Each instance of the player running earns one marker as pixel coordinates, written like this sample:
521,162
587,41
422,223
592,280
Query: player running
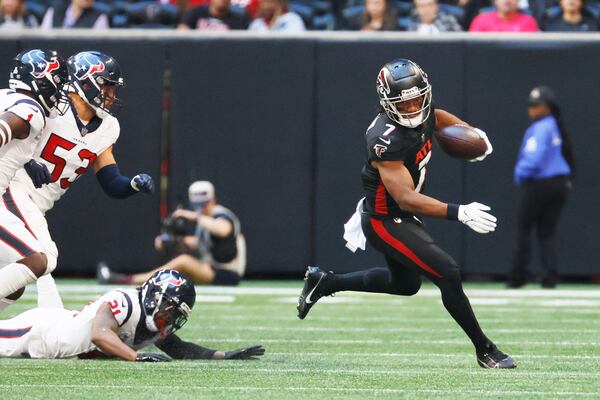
399,143
34,98
69,145
116,325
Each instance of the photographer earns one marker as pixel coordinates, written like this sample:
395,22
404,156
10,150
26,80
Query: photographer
206,242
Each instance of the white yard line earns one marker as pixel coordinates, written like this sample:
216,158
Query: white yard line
593,292
519,357
521,343
486,392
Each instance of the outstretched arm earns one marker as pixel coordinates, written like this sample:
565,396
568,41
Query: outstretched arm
116,185
181,350
104,335
444,119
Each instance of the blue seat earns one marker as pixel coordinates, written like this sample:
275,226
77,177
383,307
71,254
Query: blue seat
36,9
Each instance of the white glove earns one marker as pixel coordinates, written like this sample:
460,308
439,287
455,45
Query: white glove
487,142
474,215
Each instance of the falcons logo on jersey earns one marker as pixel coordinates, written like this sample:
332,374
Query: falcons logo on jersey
379,149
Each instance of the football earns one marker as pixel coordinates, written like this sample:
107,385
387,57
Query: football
461,141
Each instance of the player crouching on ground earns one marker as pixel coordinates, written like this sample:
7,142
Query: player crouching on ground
207,242
116,325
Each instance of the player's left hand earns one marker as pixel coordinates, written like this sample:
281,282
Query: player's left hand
143,183
38,173
489,150
246,353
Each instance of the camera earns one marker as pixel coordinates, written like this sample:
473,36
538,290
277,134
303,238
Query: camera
173,229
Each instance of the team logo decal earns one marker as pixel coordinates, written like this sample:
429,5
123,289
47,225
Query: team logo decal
40,66
379,149
86,69
171,280
382,82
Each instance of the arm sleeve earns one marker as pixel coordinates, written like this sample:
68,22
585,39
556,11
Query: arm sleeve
180,350
113,183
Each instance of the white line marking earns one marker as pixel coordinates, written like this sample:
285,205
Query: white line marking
429,292
520,343
431,355
490,393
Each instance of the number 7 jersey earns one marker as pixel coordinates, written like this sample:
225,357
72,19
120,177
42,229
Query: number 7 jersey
68,148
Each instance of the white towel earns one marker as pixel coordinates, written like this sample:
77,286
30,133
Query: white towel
353,234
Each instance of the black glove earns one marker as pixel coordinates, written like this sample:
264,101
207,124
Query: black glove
143,183
246,353
152,357
38,173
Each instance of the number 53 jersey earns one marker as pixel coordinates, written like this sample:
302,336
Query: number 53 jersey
68,148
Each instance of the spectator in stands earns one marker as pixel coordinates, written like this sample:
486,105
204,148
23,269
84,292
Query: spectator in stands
77,14
427,18
251,6
274,15
215,16
572,18
379,15
14,15
506,18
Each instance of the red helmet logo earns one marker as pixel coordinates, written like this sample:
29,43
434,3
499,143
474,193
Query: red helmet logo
382,82
93,70
52,66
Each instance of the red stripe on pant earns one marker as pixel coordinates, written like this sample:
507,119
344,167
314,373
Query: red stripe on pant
387,237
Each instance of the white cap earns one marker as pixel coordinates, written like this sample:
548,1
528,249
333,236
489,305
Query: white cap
200,193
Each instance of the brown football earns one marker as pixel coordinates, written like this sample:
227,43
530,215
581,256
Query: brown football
461,141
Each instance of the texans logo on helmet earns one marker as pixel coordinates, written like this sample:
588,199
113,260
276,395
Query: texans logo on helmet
169,280
86,69
39,65
382,82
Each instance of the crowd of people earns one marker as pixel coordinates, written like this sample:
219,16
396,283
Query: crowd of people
422,16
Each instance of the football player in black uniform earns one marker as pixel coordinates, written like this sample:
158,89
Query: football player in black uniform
399,143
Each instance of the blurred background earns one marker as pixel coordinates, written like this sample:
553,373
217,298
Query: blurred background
276,122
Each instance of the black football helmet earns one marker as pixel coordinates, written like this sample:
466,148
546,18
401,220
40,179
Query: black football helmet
43,73
96,77
404,92
167,301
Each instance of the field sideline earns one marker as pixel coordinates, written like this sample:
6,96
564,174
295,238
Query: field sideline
350,346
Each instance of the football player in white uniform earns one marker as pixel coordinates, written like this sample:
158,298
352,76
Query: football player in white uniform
116,325
35,96
72,143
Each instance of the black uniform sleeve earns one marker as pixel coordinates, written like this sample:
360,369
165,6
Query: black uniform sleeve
180,350
387,141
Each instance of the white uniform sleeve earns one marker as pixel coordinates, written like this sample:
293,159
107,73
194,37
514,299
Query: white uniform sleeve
120,304
31,111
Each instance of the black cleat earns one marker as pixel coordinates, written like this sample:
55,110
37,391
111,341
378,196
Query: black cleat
492,357
315,280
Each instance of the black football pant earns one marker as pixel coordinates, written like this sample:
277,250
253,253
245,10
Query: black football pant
540,205
410,254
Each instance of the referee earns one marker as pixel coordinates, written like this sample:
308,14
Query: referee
543,171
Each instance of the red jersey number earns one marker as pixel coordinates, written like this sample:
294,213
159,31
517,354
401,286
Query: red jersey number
59,163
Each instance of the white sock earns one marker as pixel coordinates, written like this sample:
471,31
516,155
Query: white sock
14,277
5,303
48,295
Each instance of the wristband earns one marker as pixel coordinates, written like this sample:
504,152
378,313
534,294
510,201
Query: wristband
452,212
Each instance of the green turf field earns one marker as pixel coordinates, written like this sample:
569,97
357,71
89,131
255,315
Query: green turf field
351,346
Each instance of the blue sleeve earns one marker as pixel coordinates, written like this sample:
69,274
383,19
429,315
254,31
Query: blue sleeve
532,153
113,183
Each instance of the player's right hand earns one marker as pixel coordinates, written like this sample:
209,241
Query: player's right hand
474,215
152,357
38,173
